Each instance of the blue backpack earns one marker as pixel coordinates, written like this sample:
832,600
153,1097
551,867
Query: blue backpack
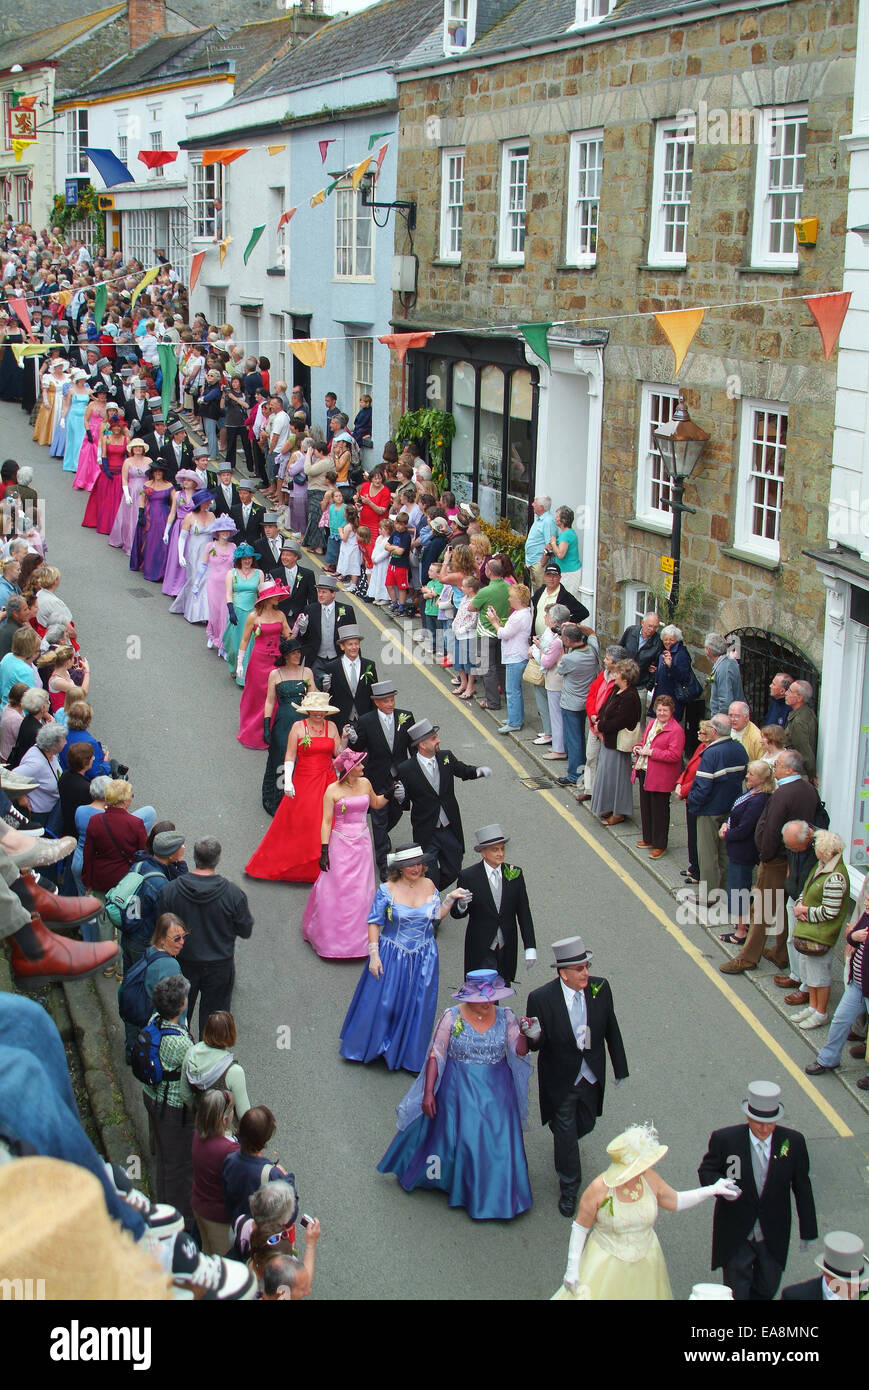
145,1055
134,1006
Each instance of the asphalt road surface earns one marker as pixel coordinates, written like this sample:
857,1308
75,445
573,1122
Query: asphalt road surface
166,705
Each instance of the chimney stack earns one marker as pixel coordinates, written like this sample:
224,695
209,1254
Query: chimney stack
147,21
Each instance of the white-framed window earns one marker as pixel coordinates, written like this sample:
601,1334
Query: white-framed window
82,229
193,103
217,308
460,25
583,198
156,140
514,202
140,234
178,249
452,203
671,191
760,488
23,196
363,370
654,488
7,108
122,148
207,190
354,236
6,207
590,11
638,600
76,139
781,164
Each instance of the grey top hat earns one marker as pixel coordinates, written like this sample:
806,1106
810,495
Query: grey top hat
270,518
201,452
763,1102
290,543
843,1257
154,400
104,362
349,630
489,835
327,581
381,689
167,842
421,729
176,427
570,950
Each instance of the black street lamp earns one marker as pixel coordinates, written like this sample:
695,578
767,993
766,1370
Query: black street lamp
681,444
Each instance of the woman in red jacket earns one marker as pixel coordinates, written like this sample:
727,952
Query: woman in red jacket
657,768
706,734
112,840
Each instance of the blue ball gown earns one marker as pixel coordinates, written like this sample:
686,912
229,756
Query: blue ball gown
473,1148
392,1017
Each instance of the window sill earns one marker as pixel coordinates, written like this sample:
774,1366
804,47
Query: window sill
767,269
568,269
449,265
353,280
750,557
642,523
276,270
506,265
659,269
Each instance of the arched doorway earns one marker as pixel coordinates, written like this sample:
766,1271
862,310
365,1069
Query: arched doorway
764,653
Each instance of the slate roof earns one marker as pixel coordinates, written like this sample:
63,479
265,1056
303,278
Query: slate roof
46,43
377,37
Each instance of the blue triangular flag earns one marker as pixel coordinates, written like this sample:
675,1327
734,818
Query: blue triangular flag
108,166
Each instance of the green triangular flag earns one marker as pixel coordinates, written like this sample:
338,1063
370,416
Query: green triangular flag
254,238
15,97
535,336
169,371
99,305
384,135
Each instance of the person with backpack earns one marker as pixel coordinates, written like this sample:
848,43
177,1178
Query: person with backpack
131,905
250,1167
210,1065
135,994
158,1058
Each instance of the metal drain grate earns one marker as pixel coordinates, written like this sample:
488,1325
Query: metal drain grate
142,593
536,784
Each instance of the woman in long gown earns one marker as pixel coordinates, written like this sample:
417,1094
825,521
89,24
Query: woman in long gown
289,852
148,552
186,483
242,586
335,920
614,1252
193,537
75,408
468,1106
214,566
288,683
133,474
262,632
391,1015
57,447
51,404
88,465
11,375
107,496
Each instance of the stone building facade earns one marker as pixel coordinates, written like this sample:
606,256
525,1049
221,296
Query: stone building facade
702,133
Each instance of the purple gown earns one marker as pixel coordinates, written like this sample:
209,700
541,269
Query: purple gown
148,553
124,526
335,920
215,589
175,577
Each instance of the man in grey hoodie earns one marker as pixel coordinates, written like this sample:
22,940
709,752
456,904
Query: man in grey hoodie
215,912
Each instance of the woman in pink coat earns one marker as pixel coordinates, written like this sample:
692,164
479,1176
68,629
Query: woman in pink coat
657,765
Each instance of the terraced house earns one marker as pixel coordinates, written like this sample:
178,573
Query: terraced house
586,163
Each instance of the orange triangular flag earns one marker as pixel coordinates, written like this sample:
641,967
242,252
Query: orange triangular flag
402,341
275,149
381,155
828,311
679,329
222,156
310,351
26,103
285,218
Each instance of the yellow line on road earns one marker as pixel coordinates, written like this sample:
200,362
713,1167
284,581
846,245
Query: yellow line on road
691,951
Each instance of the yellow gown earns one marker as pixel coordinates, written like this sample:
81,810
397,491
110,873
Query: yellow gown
622,1259
44,427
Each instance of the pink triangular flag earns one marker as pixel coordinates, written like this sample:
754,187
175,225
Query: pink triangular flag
285,218
381,155
324,147
828,311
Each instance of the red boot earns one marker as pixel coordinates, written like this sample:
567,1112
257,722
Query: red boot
53,908
62,959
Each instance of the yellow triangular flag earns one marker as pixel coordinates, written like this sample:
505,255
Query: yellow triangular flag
29,349
223,248
144,283
310,351
318,198
679,329
359,171
275,149
19,146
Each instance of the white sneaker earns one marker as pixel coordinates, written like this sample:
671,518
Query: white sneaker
813,1020
209,644
800,1015
163,1222
224,1280
542,738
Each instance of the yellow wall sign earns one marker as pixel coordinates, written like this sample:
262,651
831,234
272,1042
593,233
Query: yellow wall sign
668,564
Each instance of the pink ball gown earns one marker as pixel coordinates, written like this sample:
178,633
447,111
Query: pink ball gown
106,496
88,468
335,920
263,653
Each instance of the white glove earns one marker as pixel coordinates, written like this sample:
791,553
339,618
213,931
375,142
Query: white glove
578,1236
530,956
484,772
399,792
724,1187
532,1030
62,422
127,498
350,734
166,535
302,623
182,546
289,789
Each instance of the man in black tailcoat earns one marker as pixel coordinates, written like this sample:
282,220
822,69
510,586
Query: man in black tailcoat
498,911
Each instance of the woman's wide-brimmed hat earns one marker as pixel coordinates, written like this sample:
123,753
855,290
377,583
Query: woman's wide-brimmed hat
186,475
243,550
632,1152
201,496
221,523
406,856
483,987
136,443
315,702
346,761
271,588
